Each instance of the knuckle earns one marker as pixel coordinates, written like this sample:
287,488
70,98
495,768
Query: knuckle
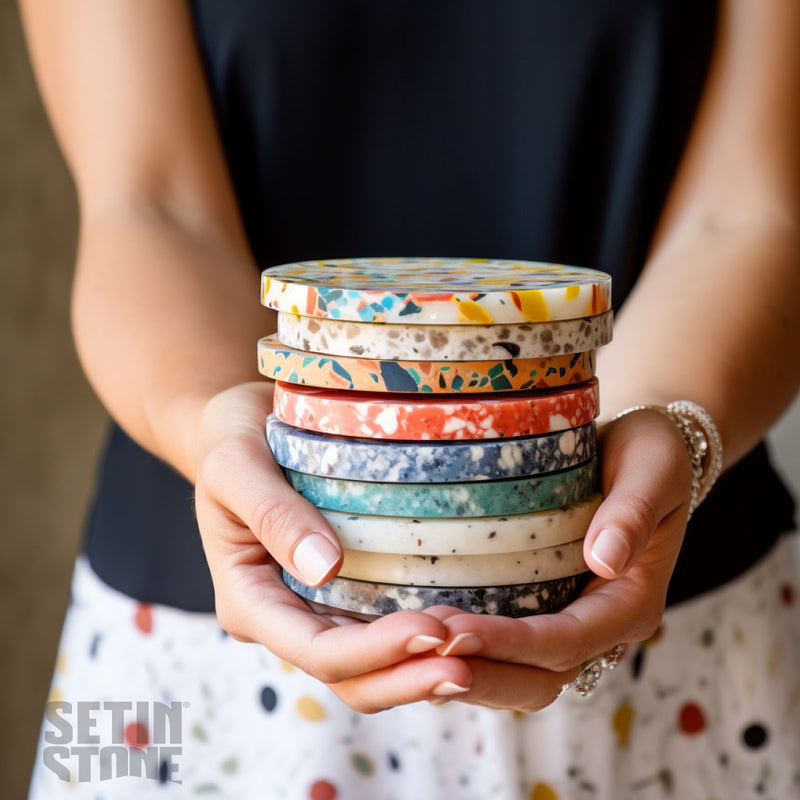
363,708
639,512
316,668
517,647
648,626
326,675
541,703
220,460
577,646
271,522
229,622
578,654
355,701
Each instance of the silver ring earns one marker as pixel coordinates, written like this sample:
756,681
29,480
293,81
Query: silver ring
592,671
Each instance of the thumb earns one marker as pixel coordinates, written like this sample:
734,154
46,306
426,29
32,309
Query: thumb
646,476
241,478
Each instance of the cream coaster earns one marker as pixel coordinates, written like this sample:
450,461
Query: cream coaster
496,569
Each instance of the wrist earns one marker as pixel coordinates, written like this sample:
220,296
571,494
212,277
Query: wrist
192,421
700,437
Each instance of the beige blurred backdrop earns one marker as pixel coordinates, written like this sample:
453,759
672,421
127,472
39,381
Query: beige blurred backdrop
52,425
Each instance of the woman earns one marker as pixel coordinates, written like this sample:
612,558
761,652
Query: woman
656,140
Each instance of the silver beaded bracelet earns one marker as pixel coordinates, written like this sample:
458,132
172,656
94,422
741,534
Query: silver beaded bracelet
702,440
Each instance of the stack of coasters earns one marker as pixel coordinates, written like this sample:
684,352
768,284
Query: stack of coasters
440,414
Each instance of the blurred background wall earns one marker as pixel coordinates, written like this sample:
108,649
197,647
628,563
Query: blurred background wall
52,425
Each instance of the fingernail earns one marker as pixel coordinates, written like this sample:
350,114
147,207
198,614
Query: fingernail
421,643
447,688
440,701
612,549
314,556
467,643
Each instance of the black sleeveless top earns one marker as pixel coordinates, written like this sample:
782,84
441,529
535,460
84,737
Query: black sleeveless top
524,129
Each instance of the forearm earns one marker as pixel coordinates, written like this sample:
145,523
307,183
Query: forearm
165,303
714,316
713,319
165,316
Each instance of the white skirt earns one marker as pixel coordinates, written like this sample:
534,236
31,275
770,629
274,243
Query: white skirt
708,709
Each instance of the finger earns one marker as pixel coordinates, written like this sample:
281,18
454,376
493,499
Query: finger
253,604
240,474
443,612
646,477
426,678
511,686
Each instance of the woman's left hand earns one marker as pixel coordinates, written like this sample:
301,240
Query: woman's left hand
631,546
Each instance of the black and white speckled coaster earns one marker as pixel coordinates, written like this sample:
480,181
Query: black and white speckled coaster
519,600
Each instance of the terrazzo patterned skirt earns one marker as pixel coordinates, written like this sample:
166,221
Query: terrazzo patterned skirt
708,709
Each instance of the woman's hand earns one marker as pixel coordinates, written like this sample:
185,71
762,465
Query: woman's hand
632,546
252,523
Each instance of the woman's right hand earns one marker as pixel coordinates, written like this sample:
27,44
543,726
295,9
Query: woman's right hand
253,523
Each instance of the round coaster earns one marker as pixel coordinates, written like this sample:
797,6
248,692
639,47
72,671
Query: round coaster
435,417
435,502
467,536
442,291
362,597
427,462
495,569
282,363
399,342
